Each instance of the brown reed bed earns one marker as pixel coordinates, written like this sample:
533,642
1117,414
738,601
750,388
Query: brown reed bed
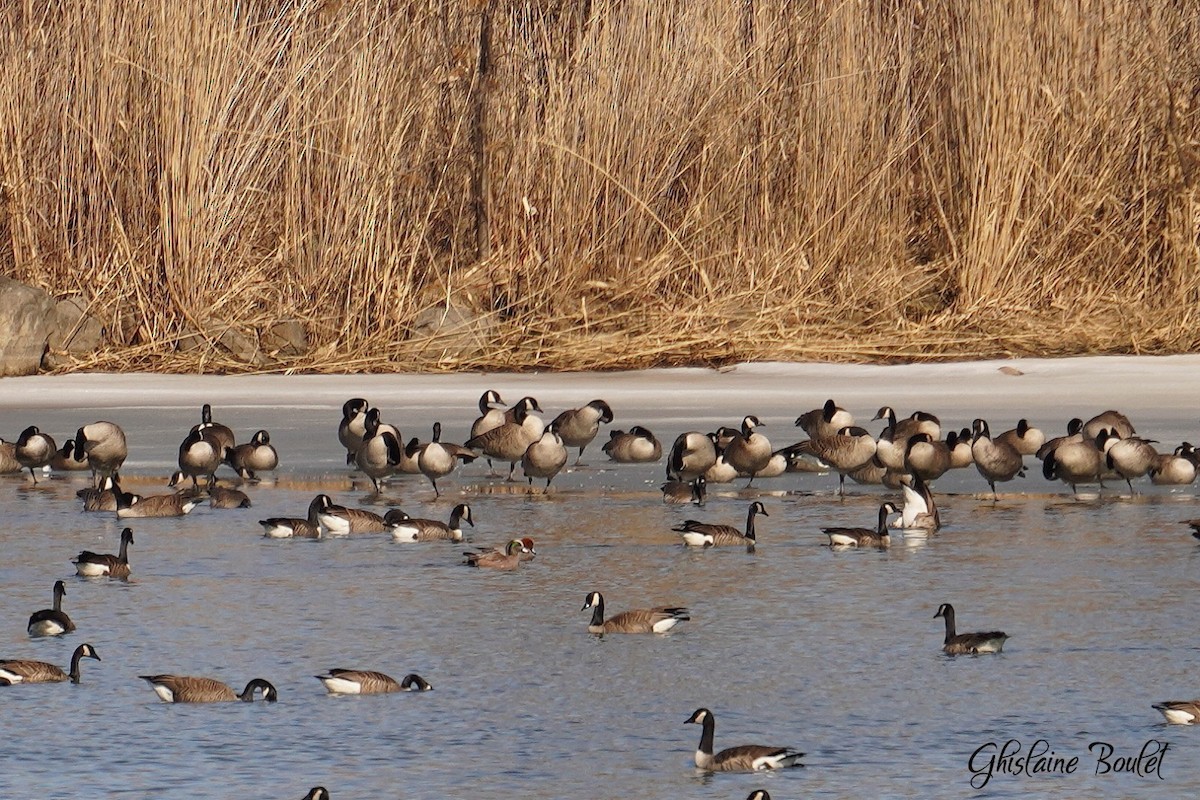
603,185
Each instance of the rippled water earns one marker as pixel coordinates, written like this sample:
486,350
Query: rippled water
835,653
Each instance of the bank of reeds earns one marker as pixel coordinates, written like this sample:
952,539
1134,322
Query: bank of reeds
606,184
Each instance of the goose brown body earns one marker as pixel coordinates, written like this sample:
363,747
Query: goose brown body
640,620
364,681
92,565
192,689
744,758
19,670
702,534
968,643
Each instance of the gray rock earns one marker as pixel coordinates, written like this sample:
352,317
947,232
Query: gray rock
74,331
287,338
223,334
451,332
25,319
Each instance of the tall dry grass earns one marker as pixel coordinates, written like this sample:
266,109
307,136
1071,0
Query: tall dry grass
608,183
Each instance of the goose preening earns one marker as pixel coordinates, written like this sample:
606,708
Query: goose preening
749,451
926,456
352,429
321,793
824,421
438,459
64,459
639,620
1075,462
744,758
1074,434
995,459
920,512
678,493
257,455
51,621
1129,456
702,534
1177,468
342,521
863,537
34,449
380,451
491,415
406,529
17,670
99,565
192,689
545,457
637,446
294,527
691,456
1112,421
364,681
509,441
221,434
968,643
1179,712
103,446
103,498
510,559
850,449
1024,438
579,426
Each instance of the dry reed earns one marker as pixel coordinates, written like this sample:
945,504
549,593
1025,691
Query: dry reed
619,183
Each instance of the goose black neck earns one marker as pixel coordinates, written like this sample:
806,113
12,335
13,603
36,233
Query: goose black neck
949,615
707,726
598,611
750,522
881,528
75,658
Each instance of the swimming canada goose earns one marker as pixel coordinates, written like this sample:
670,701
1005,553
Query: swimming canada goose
995,459
744,758
17,670
701,534
98,565
1076,462
544,458
863,537
199,455
51,621
34,449
1109,420
1024,438
510,559
678,493
824,421
749,451
380,452
691,456
132,506
365,681
103,444
321,793
406,529
223,497
352,428
341,521
491,415
579,426
8,458
1175,469
638,446
509,441
1074,434
102,499
968,643
920,512
1179,712
1130,457
64,458
294,527
759,794
640,620
438,459
850,449
926,456
192,689
258,455
221,434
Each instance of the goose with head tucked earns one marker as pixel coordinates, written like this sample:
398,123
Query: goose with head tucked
749,451
225,497
103,498
637,446
51,621
64,459
133,506
702,534
1024,438
257,455
380,452
1074,434
579,426
678,493
295,527
744,758
321,793
926,456
1177,468
1076,462
824,421
34,450
1130,457
192,689
509,441
692,455
200,455
863,537
353,427
14,671
1113,421
406,529
968,643
640,620
100,565
491,415
365,681
102,444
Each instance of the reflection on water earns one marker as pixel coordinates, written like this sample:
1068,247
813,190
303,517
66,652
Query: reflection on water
834,653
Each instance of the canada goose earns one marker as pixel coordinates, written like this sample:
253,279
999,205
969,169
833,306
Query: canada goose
491,415
721,471
438,459
759,794
920,512
1075,462
192,689
223,497
968,643
510,559
917,422
380,451
824,421
340,520
8,458
638,446
1179,712
16,670
579,426
1024,438
960,449
1194,524
132,506
64,458
258,455
1110,420
1074,434
200,455
96,565
321,793
352,428
293,527
51,621
927,457
1130,457
103,444
863,537
640,620
677,493
691,455
874,473
221,434
849,449
700,534
509,441
744,758
524,408
34,449
102,499
995,459
406,529
750,451
363,681
545,457
1175,469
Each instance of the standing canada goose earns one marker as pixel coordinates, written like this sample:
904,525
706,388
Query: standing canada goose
824,421
545,458
132,506
340,520
848,450
438,459
1109,420
691,456
579,426
364,681
8,458
380,452
16,670
509,441
51,621
744,758
258,455
321,793
294,527
1175,469
1024,438
926,456
102,499
995,459
64,458
491,415
920,512
678,493
200,454
352,428
640,620
510,559
1179,712
103,445
98,565
221,434
192,689
968,643
525,408
1076,462
700,534
1130,457
34,450
863,537
223,497
750,451
638,446
406,529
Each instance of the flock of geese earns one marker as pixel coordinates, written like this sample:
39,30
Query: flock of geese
908,455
